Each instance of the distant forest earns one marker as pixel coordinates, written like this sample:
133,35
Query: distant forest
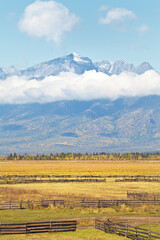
80,156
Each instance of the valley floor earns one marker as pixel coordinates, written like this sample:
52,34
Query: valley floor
146,216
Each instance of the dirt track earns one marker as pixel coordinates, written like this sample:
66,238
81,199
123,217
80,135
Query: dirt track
137,220
130,220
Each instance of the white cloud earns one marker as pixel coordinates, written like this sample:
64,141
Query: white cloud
70,86
143,29
117,15
48,19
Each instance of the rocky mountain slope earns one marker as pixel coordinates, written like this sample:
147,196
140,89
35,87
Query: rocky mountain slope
126,124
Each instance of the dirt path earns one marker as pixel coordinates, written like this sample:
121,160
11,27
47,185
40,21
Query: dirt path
88,222
135,220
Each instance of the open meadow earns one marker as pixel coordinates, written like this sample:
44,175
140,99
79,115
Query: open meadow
89,234
109,189
101,190
81,167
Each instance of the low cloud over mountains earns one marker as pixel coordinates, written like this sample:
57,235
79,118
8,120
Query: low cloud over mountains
70,86
76,78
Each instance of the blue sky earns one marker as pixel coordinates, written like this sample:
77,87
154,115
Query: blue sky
92,31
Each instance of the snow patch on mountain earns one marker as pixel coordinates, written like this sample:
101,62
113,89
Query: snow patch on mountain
78,58
118,67
73,63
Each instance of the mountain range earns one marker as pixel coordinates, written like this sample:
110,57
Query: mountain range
121,125
74,63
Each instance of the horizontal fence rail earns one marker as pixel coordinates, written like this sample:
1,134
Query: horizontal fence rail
74,203
143,195
13,176
49,176
126,230
52,178
17,179
38,227
138,179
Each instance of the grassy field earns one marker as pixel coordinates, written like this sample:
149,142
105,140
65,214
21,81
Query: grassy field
80,167
105,190
85,216
88,234
155,227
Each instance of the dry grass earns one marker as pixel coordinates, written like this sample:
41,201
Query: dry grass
80,167
104,190
108,190
17,194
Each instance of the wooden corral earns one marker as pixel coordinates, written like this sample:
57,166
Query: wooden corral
30,204
17,179
126,230
138,179
143,195
38,227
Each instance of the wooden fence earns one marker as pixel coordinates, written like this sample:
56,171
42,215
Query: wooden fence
38,227
74,203
138,179
10,176
52,178
126,230
40,176
17,179
143,195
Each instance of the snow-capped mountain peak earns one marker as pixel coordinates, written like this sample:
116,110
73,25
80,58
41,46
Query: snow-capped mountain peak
76,64
145,66
120,66
78,58
69,63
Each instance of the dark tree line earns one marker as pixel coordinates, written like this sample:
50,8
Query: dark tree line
86,156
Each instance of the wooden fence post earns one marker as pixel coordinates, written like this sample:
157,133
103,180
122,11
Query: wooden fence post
41,203
83,202
115,228
107,225
95,223
135,195
26,229
135,233
126,231
51,225
149,235
99,203
21,204
0,228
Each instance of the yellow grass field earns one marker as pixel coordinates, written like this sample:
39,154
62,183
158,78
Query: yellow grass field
105,190
80,167
94,190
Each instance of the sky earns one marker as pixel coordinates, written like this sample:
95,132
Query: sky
37,31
